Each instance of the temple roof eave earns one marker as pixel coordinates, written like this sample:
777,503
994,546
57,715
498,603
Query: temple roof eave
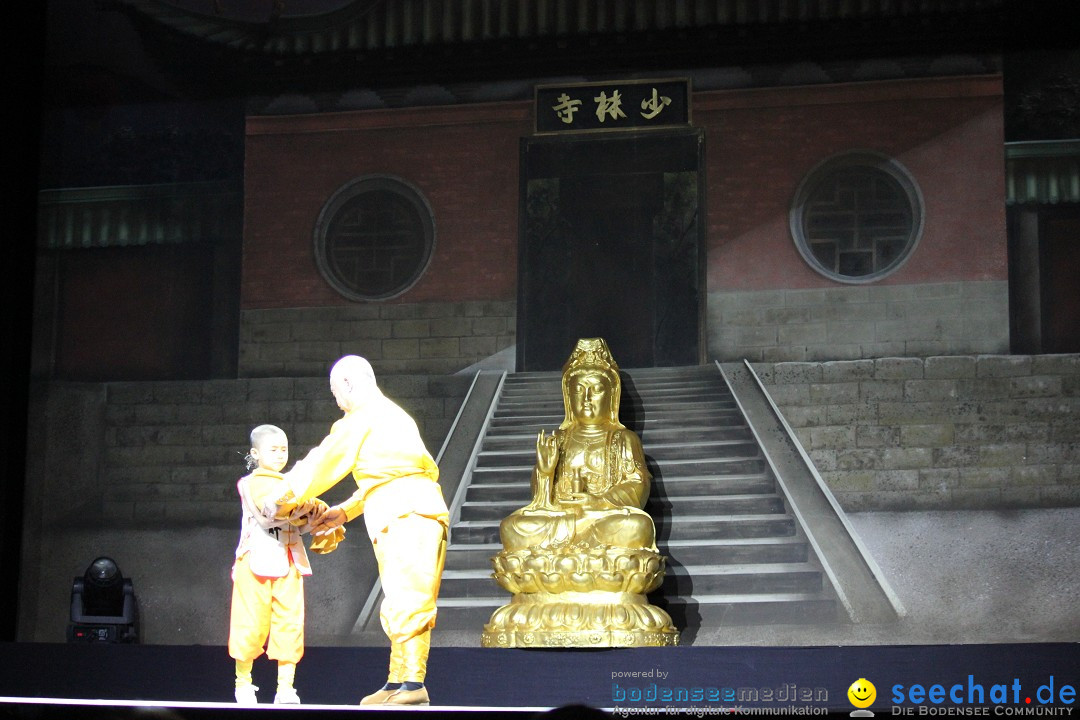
366,26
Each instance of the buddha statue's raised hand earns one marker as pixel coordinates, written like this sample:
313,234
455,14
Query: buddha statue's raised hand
543,476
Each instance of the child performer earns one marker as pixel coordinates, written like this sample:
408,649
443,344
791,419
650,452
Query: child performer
268,584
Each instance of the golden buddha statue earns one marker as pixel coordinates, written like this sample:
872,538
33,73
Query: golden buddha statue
582,555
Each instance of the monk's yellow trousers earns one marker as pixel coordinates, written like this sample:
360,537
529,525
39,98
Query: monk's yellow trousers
411,552
266,608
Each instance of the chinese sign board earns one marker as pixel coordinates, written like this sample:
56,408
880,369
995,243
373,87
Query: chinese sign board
627,105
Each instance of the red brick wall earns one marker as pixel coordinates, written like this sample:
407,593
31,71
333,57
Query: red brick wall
760,144
463,159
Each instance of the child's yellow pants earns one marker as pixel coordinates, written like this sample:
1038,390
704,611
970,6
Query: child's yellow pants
266,608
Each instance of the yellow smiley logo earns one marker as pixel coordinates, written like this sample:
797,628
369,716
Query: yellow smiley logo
862,693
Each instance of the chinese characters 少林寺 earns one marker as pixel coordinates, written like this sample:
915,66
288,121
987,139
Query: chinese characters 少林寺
566,108
654,105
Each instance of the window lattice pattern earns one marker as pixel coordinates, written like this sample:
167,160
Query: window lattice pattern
858,221
375,240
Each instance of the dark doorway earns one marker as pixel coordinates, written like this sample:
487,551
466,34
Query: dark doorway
1044,262
135,313
611,247
1059,233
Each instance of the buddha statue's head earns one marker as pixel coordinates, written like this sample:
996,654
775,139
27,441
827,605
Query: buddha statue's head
591,386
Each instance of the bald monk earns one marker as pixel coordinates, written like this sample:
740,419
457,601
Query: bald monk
397,490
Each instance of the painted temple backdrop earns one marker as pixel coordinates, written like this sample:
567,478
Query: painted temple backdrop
877,206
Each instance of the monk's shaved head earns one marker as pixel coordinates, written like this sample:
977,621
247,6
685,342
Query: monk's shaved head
264,432
354,368
352,381
269,448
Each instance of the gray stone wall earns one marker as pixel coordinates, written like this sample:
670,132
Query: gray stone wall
859,321
412,338
172,450
145,472
985,431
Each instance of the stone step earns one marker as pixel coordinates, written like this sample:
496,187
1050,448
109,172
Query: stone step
704,527
671,485
683,580
633,399
672,468
649,374
689,395
519,475
630,395
657,451
470,584
667,487
642,421
697,505
659,406
705,450
676,528
655,435
699,611
782,549
722,504
650,389
735,551
716,467
720,610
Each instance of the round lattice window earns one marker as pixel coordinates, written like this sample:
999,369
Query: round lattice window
857,217
374,238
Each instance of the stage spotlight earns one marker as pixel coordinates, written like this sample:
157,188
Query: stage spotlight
103,608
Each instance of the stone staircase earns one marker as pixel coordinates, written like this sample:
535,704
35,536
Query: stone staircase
736,552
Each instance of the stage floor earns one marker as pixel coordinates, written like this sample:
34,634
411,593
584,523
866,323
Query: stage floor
38,708
109,681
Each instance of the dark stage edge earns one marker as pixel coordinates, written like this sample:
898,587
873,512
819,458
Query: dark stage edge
55,680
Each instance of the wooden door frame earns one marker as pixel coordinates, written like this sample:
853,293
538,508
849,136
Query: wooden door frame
702,227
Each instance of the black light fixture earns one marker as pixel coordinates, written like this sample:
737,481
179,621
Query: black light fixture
103,608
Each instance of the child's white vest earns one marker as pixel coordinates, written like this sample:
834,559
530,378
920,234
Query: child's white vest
268,541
